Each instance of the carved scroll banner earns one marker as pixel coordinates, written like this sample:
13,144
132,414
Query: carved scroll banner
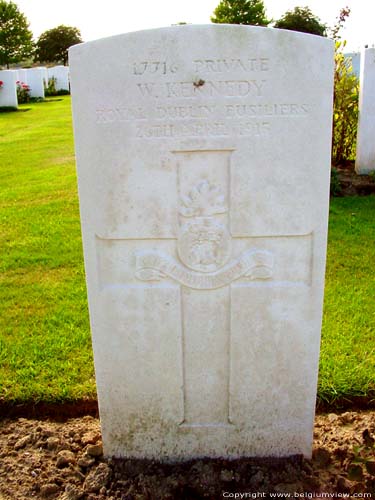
254,264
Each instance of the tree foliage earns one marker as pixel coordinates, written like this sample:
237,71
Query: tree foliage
52,45
241,12
16,40
301,19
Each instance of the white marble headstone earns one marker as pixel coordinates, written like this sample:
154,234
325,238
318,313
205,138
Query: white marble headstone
203,157
22,75
365,155
61,74
35,81
8,90
44,72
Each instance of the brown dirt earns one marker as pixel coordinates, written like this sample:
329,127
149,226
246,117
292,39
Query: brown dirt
352,184
45,459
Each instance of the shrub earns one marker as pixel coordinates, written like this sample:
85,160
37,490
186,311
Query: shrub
50,89
335,186
63,92
23,92
301,19
345,109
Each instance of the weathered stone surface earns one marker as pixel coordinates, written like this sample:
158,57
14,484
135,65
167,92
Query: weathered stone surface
204,183
365,155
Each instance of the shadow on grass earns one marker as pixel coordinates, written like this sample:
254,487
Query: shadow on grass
11,109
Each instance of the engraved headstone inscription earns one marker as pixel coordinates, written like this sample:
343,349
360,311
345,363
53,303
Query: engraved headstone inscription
203,157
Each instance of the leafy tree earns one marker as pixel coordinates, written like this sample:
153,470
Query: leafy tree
53,45
241,12
301,19
16,40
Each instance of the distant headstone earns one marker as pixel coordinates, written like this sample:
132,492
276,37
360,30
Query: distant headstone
35,81
365,157
22,74
8,91
354,60
61,75
204,171
44,72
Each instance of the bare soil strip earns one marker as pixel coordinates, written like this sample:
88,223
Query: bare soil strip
45,459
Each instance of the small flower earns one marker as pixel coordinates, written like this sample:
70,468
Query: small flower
23,91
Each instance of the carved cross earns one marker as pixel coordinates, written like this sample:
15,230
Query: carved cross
207,263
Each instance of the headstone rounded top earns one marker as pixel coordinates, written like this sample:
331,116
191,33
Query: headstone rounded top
213,29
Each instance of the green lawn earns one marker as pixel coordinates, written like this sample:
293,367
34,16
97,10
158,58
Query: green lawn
347,365
45,351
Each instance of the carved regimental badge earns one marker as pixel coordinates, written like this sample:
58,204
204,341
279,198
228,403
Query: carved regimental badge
204,243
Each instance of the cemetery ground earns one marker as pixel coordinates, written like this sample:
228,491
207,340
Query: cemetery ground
46,366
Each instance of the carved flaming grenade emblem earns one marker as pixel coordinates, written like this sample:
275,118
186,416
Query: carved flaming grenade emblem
204,243
203,200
